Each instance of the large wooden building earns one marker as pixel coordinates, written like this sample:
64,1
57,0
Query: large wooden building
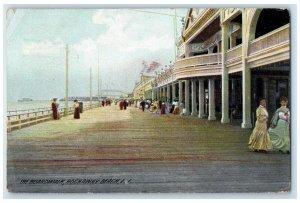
226,60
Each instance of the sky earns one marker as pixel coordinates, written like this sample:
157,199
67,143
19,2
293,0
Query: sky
122,39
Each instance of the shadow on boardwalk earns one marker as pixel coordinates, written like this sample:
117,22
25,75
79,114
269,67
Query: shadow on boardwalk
109,150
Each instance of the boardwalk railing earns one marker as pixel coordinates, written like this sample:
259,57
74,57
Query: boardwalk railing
22,118
17,112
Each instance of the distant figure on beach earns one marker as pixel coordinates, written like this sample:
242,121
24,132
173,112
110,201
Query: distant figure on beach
76,109
54,107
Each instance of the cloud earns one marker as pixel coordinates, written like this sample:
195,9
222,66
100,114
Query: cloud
155,43
43,48
124,35
86,51
111,16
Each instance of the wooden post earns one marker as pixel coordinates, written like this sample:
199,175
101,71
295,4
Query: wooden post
20,122
28,119
8,124
36,117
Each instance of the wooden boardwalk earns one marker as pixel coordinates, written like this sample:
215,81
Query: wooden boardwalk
111,151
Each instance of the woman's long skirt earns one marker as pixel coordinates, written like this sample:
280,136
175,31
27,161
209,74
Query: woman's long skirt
76,113
259,139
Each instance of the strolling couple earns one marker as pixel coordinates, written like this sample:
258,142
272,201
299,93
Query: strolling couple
277,137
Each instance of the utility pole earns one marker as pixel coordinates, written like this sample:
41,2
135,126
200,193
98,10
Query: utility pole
98,77
67,81
90,86
175,52
175,32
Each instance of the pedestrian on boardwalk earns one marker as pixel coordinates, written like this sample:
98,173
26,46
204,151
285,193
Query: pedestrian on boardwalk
143,103
163,108
121,103
279,131
176,110
159,104
54,107
125,104
151,109
103,103
259,139
154,107
76,109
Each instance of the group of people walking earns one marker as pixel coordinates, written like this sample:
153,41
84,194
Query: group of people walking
106,102
277,136
158,107
55,109
123,104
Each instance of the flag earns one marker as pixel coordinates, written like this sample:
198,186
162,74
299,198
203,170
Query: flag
145,65
153,66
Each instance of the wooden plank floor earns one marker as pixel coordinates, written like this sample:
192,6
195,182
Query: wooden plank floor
146,152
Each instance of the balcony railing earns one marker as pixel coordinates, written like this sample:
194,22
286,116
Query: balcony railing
201,60
271,39
234,53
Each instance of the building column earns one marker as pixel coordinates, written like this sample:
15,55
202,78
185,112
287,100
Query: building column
173,91
225,80
186,50
157,93
201,98
187,97
211,99
168,93
153,93
246,75
180,92
194,95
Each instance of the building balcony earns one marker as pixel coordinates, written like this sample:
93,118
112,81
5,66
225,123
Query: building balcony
234,54
234,59
208,64
270,48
